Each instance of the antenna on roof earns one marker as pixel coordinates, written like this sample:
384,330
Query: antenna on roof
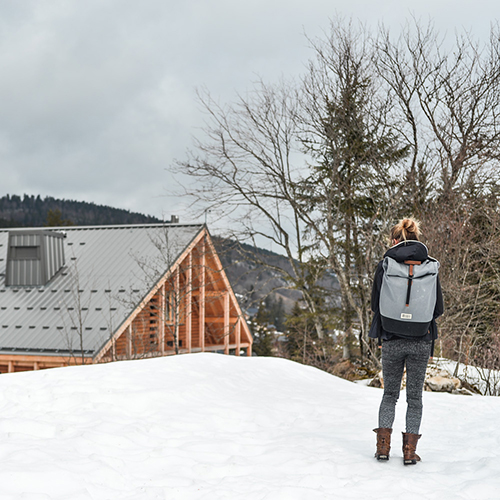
206,213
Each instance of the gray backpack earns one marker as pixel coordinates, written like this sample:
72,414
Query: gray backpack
408,296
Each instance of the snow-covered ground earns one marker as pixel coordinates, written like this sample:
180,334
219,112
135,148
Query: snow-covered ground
208,426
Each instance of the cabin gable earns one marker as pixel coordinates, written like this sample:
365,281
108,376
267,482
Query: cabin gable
192,308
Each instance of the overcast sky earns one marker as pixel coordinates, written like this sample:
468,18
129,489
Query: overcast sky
98,96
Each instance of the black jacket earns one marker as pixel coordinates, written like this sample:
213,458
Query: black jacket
406,250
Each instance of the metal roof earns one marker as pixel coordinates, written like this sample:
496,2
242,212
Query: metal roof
108,270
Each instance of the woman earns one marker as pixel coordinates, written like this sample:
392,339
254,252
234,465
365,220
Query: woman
404,343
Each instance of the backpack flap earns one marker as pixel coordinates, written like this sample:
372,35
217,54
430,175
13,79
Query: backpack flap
407,301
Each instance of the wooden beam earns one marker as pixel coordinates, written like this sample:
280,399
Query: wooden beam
128,348
201,296
161,325
218,319
37,362
31,358
189,298
177,305
211,293
226,323
218,347
238,337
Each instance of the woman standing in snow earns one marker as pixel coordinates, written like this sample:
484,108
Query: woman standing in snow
406,340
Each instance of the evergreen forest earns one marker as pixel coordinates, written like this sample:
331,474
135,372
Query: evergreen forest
35,211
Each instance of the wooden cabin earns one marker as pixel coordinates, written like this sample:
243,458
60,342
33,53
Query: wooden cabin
95,294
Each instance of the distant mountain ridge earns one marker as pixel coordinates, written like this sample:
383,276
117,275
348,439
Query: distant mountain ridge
251,280
32,211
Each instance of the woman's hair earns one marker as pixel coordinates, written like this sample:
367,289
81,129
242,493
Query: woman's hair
406,229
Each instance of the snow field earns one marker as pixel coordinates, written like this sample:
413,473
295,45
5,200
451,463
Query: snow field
208,426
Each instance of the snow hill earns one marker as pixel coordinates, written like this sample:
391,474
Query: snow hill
208,426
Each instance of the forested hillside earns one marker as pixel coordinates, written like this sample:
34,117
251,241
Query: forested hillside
255,273
33,211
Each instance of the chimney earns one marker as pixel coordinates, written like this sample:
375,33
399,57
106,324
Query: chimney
174,219
34,257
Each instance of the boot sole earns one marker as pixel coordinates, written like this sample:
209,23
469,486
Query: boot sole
409,462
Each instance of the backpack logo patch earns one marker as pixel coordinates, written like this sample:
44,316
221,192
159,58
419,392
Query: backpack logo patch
406,316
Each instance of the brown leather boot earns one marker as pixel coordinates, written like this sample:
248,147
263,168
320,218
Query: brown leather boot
383,443
409,447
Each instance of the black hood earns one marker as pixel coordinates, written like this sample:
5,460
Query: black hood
408,250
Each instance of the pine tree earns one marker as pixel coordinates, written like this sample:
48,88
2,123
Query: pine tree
54,219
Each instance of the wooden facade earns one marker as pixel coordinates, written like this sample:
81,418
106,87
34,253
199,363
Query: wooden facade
192,308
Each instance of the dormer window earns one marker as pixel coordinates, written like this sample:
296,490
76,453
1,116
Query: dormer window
34,257
25,253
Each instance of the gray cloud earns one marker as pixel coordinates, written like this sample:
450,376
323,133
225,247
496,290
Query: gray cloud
98,98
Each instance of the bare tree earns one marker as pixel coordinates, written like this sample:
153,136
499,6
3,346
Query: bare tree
110,316
449,102
74,310
248,172
310,167
377,128
469,250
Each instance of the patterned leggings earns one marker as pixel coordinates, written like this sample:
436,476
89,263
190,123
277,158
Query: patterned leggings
395,354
